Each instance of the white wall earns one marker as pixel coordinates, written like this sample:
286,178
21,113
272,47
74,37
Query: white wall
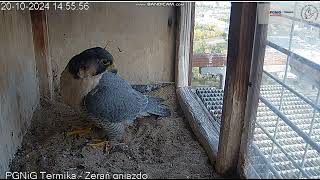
142,33
19,92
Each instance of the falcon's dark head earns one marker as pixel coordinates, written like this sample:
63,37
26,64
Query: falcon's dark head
91,62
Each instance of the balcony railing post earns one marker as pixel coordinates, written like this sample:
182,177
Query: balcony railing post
240,49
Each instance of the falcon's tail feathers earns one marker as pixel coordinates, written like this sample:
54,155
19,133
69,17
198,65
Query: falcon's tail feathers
146,88
156,107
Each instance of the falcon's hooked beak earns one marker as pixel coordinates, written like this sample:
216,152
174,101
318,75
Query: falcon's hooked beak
112,68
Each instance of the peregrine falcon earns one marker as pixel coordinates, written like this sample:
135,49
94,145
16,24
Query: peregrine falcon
90,83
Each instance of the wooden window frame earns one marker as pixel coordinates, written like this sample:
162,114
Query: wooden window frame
41,51
227,145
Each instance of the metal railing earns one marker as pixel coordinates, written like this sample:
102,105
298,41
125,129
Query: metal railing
315,106
285,126
306,137
293,55
296,129
296,165
212,99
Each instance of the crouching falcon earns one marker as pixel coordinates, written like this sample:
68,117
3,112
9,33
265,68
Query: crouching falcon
90,83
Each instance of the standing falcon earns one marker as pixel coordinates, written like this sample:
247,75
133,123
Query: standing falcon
90,83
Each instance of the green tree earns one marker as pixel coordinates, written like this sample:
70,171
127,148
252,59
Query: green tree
202,33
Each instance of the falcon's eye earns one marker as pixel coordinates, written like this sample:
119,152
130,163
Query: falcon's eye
83,68
105,62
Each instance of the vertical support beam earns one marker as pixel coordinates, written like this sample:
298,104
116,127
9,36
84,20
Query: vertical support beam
183,44
240,48
193,10
254,90
40,40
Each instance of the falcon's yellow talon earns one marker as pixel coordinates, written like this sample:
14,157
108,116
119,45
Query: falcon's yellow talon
102,144
98,144
80,132
98,140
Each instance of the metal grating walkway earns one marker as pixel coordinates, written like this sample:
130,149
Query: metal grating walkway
271,129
